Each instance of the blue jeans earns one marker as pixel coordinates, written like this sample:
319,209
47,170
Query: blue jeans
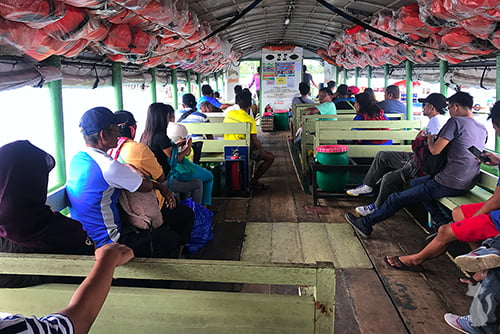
423,190
208,183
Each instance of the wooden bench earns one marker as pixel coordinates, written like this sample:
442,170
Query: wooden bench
309,129
481,192
175,311
401,132
153,310
213,149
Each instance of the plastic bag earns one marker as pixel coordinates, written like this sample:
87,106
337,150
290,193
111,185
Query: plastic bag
202,227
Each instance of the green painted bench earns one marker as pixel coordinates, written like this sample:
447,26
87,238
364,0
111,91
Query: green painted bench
309,130
180,311
213,149
401,132
481,192
154,310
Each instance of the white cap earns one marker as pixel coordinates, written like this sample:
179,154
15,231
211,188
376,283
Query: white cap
176,132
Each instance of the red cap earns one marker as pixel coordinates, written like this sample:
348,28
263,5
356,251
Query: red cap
352,90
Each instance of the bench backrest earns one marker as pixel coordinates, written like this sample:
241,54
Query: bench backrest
320,275
216,146
399,132
216,117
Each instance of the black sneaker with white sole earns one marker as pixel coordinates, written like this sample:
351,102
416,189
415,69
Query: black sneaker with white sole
358,224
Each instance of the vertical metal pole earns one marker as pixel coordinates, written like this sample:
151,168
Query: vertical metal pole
174,88
497,97
443,68
152,86
409,89
356,77
198,82
386,76
208,79
369,74
345,76
117,85
56,104
216,81
188,79
337,74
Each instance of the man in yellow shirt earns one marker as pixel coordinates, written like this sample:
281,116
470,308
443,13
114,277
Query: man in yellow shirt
257,151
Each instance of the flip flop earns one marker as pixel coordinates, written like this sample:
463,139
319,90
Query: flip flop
399,265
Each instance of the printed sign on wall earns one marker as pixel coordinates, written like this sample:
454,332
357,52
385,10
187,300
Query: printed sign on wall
281,75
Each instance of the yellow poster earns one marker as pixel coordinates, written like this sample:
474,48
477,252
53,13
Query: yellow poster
281,80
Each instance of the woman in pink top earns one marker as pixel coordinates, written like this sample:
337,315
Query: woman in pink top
256,80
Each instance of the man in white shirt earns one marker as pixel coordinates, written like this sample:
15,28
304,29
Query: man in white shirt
393,170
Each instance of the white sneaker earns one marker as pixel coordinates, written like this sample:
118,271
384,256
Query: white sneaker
366,210
360,190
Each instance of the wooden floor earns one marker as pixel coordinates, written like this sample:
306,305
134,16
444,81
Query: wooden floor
283,226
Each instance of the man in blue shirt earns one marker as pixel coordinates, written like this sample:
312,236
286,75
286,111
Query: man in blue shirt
94,185
208,95
391,104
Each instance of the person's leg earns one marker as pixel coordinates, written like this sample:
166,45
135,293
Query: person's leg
208,183
267,161
470,229
195,187
392,182
384,162
485,307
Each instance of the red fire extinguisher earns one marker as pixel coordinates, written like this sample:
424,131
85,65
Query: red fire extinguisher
235,172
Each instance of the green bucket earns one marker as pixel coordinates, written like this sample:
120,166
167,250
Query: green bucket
281,120
332,155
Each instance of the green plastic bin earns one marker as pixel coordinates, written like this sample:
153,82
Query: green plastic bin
332,155
281,120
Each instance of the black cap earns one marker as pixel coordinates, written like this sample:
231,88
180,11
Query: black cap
130,120
437,100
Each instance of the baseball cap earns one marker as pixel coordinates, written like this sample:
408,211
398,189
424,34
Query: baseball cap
353,90
176,132
437,100
99,118
129,116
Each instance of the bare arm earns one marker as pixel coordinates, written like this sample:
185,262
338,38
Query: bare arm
226,105
436,147
312,111
89,297
494,159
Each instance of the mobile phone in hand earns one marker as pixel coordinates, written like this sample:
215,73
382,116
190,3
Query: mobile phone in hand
478,154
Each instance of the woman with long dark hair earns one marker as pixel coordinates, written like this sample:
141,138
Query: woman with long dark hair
155,136
368,110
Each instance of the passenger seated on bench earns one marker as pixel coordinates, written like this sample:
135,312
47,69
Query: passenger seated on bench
391,104
326,107
304,91
458,176
257,151
182,166
342,101
484,312
472,222
142,158
189,112
27,224
155,137
208,95
94,184
85,304
367,110
393,170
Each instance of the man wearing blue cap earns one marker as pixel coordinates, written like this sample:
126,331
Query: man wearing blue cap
94,185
